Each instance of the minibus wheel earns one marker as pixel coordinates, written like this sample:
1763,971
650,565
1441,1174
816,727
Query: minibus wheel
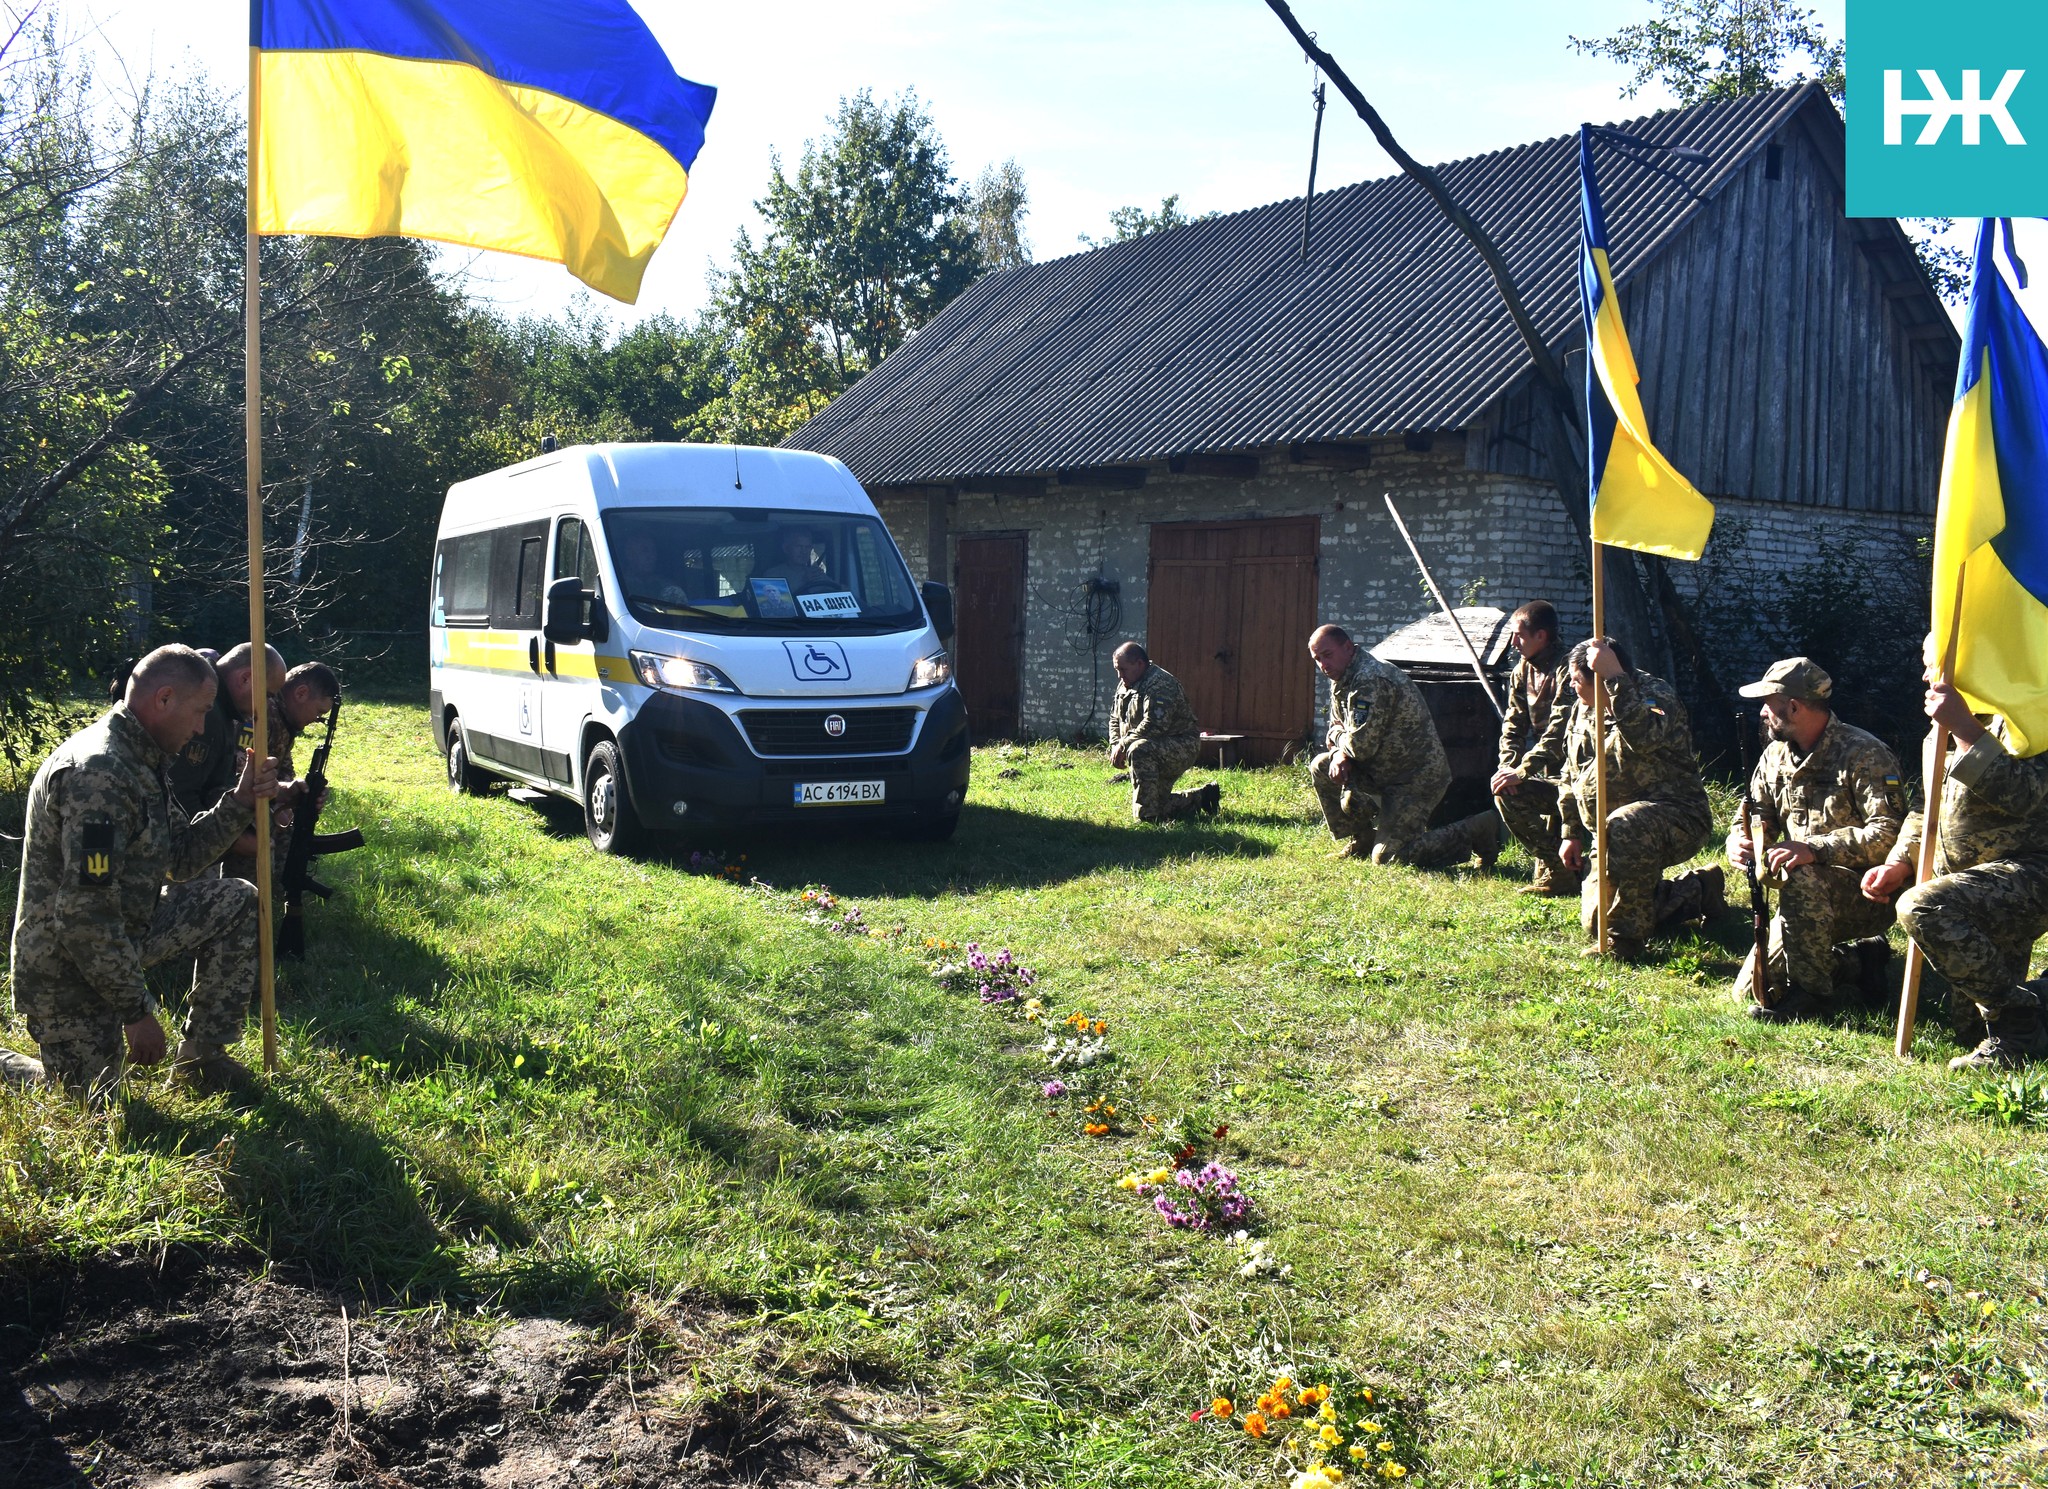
463,775
607,816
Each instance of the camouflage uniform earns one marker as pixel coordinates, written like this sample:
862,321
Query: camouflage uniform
237,865
1399,771
94,910
1657,812
1532,746
1845,800
1152,717
1979,916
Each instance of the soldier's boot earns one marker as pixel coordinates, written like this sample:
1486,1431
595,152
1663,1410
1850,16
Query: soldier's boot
1695,895
1796,1006
1212,799
1485,830
1966,1022
211,1069
17,1069
1873,964
2016,1037
1552,878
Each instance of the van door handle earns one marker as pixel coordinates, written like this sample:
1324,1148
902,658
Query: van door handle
550,656
533,653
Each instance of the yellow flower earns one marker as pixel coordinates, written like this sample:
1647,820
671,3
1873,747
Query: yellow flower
1366,1426
1386,1447
1221,1407
1358,1452
1160,1176
1328,1413
1364,1393
1394,1471
1128,1181
1281,1383
1331,1436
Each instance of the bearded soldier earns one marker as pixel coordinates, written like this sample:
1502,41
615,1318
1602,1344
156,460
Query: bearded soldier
95,909
1979,916
1384,771
1829,802
1657,812
1532,745
1153,734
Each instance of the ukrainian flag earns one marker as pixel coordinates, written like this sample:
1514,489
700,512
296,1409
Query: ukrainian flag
1639,500
550,128
1991,530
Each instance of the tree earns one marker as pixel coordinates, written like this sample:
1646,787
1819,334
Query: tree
1126,223
1708,49
1000,205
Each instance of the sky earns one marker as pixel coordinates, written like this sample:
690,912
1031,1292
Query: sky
1103,103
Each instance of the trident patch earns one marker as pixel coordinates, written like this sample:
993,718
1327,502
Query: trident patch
98,864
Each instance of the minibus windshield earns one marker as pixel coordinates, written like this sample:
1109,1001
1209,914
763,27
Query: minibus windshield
759,571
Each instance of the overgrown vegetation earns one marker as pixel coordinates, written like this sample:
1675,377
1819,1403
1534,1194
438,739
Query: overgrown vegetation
1571,1225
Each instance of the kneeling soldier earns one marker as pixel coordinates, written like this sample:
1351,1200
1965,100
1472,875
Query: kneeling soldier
1977,919
95,910
1385,771
1153,734
1532,745
1829,801
1657,811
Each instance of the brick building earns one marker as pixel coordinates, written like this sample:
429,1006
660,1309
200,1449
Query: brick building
1186,437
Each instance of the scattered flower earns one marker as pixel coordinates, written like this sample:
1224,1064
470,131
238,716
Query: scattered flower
1254,1425
1206,1200
1054,1090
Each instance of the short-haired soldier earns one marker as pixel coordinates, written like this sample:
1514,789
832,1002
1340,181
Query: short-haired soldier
1153,734
95,908
1532,745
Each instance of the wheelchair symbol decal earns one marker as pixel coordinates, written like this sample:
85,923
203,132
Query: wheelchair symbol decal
817,661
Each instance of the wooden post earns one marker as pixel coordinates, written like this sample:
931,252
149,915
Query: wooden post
1478,667
1599,766
1934,772
252,441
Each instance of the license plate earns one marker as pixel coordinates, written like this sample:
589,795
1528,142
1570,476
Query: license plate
839,793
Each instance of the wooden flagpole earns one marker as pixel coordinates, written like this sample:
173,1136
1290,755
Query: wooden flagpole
1934,772
252,440
1599,765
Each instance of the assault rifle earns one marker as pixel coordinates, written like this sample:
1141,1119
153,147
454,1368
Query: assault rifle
1759,904
308,844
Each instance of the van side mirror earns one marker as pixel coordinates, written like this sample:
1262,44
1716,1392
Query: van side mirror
562,621
938,601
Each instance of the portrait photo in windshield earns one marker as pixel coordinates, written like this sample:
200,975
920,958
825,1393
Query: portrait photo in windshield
743,569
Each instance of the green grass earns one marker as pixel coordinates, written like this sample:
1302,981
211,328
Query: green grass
1584,1225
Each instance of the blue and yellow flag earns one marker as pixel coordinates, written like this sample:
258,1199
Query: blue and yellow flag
1639,501
550,128
1992,525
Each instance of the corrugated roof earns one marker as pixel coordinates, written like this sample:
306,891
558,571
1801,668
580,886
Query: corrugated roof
1216,336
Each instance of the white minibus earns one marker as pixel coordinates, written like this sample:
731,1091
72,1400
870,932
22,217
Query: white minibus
692,637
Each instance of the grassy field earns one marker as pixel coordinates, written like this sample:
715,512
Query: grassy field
1572,1225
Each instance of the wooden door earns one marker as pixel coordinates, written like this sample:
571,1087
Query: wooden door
1230,608
988,651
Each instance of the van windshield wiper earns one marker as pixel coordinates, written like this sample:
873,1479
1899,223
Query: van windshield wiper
679,607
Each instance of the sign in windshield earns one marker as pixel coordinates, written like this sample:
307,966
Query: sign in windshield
759,570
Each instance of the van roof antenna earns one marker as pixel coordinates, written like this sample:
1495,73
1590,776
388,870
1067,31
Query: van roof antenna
547,444
736,469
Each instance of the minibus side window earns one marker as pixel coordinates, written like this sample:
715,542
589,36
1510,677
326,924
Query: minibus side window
462,580
518,572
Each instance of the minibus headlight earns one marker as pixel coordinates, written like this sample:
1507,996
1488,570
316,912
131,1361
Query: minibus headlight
680,674
932,670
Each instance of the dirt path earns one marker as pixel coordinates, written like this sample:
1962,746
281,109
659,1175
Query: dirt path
122,1375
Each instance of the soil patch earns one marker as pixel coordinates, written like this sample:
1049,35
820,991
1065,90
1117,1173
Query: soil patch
202,1376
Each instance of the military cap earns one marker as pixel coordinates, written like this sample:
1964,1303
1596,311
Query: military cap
1795,677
